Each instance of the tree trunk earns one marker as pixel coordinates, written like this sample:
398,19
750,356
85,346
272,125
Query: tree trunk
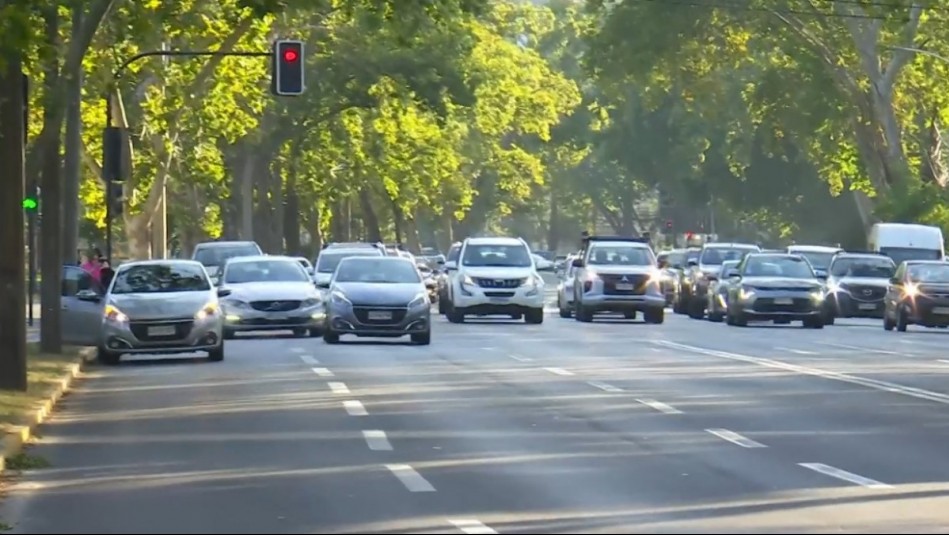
12,262
291,219
553,223
369,217
412,240
51,248
397,220
72,165
246,212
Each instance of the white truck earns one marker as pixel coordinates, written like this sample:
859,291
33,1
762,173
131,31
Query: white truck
905,241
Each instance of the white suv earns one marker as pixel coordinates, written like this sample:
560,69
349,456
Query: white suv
495,276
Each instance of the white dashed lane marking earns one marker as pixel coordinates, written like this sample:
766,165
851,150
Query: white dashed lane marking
339,388
521,359
659,406
845,476
297,350
605,387
559,371
377,440
410,478
735,438
355,408
323,372
308,360
472,527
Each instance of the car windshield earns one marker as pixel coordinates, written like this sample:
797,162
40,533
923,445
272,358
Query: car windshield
377,270
817,260
454,253
328,262
878,268
676,259
161,278
485,255
905,254
933,273
792,267
216,256
715,256
728,266
264,271
620,255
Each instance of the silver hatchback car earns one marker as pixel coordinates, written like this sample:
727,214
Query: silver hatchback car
159,307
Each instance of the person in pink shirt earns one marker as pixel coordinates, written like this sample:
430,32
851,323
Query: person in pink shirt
92,265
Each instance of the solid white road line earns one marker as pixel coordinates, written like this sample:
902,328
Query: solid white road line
798,351
339,388
323,372
410,478
472,527
659,406
943,361
858,348
355,408
521,359
845,476
307,359
882,386
605,387
377,440
559,371
735,438
297,350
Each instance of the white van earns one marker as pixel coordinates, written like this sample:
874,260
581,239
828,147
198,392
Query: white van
904,241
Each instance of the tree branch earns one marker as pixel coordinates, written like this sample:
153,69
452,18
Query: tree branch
901,58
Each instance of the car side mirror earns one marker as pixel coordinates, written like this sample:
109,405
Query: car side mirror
577,262
894,280
662,264
822,277
224,292
733,273
88,295
451,265
323,285
692,263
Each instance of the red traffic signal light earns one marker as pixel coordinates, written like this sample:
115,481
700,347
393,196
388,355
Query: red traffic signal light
287,77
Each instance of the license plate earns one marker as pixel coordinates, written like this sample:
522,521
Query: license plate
499,299
784,301
162,330
868,306
625,287
380,315
941,310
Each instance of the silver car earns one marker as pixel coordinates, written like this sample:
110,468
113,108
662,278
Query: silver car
332,255
215,254
565,288
158,307
718,292
775,287
270,293
378,297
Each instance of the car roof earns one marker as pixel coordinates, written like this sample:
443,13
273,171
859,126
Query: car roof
776,255
814,249
494,240
377,258
258,258
161,262
225,244
730,245
925,262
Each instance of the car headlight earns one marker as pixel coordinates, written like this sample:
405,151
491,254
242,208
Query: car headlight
339,298
746,293
833,287
910,290
467,281
311,302
817,295
206,311
112,313
590,276
420,301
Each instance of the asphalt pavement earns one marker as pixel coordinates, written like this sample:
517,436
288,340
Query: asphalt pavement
503,427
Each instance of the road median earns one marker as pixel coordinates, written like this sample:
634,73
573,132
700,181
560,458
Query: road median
50,377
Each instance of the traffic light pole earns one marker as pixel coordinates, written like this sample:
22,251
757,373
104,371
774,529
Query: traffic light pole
116,77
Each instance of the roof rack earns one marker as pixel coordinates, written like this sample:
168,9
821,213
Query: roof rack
874,253
588,238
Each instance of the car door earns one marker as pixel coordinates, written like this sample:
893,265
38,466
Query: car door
894,291
80,320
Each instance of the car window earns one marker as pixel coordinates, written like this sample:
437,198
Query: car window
161,278
329,261
454,253
264,271
75,280
217,255
932,273
794,267
620,255
818,260
714,256
487,255
860,267
377,270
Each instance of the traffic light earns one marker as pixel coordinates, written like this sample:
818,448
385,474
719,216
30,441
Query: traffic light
287,75
30,203
115,196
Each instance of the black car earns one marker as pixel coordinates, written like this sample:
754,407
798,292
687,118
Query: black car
706,269
857,285
680,301
918,294
775,287
671,265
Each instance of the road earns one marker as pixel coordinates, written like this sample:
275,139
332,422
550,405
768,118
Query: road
504,427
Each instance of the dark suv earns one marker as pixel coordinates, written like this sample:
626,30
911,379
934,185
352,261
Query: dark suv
856,285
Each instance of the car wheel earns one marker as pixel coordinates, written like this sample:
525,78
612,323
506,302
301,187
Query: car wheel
330,337
109,358
422,339
888,324
229,334
655,316
565,312
715,317
696,309
583,314
455,315
216,354
737,319
534,316
442,306
630,315
902,322
814,322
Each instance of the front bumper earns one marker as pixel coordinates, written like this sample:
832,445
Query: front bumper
248,319
929,312
496,301
371,321
845,305
180,335
598,302
771,306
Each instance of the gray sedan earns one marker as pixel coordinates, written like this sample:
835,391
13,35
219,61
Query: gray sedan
157,307
775,287
378,297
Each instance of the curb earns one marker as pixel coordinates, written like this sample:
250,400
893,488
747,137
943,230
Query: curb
12,443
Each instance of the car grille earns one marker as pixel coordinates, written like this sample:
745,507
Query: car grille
637,281
500,283
182,330
362,314
867,293
275,306
767,305
499,294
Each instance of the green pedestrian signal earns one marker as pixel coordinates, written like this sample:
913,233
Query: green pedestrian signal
30,204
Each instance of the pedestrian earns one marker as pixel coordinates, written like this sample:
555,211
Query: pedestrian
92,264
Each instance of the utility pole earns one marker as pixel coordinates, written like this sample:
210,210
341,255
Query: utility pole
13,100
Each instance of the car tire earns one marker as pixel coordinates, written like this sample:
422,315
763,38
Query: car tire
216,354
109,358
737,319
422,339
715,317
696,309
630,315
902,322
454,315
655,316
583,314
330,337
814,322
442,306
565,312
229,334
534,316
888,324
